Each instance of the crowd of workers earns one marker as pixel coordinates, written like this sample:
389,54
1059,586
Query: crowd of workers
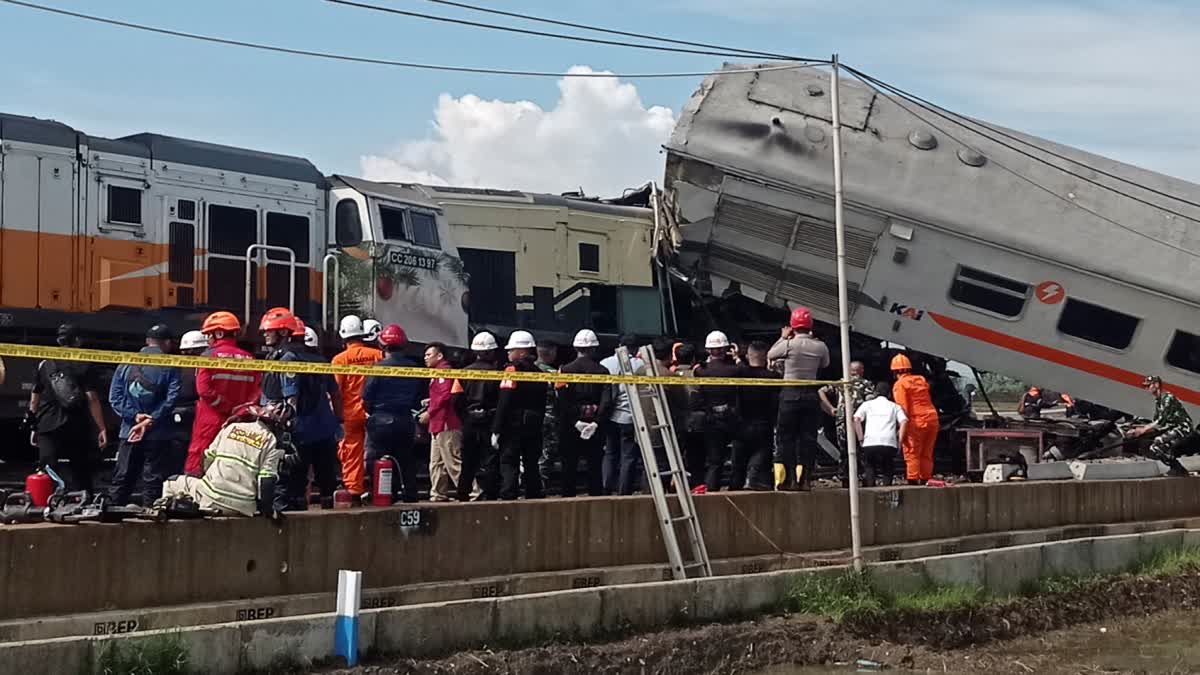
488,439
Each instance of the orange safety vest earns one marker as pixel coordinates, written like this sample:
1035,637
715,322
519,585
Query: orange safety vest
911,392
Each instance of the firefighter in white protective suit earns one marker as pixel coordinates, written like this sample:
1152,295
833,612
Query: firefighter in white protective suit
241,466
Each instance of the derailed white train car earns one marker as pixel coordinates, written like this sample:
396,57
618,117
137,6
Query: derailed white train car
966,250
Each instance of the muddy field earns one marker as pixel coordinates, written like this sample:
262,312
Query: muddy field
1023,635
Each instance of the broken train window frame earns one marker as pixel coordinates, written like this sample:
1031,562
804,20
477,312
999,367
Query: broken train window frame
989,284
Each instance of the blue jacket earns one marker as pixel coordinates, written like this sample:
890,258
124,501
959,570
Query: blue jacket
145,390
396,395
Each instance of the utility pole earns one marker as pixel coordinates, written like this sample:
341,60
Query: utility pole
844,319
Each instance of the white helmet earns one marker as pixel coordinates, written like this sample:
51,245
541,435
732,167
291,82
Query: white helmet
586,338
520,339
372,329
716,340
310,337
484,342
352,327
193,339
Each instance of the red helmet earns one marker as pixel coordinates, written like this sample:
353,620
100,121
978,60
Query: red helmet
279,318
393,336
297,327
801,318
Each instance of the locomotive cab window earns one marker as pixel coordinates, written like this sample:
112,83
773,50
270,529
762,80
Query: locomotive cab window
1184,352
124,205
1097,324
424,229
391,222
989,292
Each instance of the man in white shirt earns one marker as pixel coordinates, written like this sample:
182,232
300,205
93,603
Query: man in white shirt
880,424
622,457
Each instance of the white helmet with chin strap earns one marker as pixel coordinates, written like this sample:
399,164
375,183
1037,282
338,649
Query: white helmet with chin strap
520,339
372,329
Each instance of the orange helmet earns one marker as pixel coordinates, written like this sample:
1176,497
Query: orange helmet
225,321
901,362
279,318
297,327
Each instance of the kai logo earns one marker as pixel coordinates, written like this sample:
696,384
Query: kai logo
906,311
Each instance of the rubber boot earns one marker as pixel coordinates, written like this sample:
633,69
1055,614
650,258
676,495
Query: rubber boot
802,483
780,475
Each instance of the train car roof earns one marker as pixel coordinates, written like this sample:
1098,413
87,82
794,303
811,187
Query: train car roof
229,158
538,198
34,130
397,191
160,148
772,126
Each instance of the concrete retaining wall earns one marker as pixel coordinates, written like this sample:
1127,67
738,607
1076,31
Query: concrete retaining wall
431,629
139,564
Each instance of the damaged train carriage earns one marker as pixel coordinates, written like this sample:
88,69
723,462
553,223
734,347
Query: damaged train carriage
966,250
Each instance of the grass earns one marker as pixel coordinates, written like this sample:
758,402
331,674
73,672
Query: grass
1170,562
851,594
159,655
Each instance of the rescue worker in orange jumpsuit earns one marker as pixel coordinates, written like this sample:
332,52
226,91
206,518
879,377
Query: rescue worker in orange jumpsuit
218,392
352,450
911,392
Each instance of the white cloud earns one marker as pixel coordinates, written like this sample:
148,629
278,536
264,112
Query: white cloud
599,136
1113,77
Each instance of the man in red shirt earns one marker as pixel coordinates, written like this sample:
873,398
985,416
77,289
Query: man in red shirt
218,392
445,430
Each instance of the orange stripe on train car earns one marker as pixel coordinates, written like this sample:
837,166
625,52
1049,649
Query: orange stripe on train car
1062,358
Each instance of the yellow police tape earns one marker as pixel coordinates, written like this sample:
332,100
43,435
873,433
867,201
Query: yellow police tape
308,368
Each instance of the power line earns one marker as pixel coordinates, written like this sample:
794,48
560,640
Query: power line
867,80
929,105
381,62
958,120
609,31
538,33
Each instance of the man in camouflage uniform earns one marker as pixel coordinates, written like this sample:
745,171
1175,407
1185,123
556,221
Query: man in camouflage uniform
860,391
547,357
1171,422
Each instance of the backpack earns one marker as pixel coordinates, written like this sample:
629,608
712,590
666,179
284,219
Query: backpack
65,388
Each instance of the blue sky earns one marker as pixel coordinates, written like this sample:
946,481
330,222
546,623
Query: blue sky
1113,76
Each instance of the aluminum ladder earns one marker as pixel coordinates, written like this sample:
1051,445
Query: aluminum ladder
651,417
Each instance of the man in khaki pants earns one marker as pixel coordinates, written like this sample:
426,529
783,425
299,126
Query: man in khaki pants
445,429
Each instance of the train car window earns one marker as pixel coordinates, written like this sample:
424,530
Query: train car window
989,292
424,229
124,205
392,223
1184,351
289,231
589,257
1097,324
231,230
181,254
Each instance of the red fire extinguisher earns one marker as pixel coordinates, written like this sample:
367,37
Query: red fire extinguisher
40,486
384,479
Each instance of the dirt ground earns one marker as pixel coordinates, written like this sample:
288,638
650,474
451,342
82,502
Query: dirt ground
1062,632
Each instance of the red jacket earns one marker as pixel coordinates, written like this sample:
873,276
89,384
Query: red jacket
442,416
218,393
